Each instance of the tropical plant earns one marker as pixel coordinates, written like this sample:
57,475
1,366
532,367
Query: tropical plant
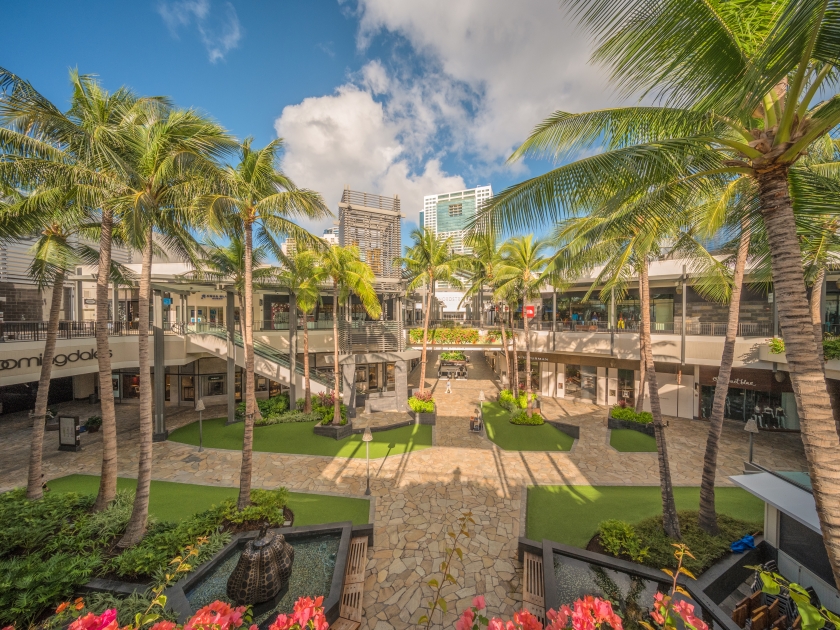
419,405
625,413
256,195
739,82
429,260
521,266
619,538
523,418
168,160
349,276
83,149
302,275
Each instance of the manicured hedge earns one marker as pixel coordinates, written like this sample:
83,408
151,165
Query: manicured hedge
626,413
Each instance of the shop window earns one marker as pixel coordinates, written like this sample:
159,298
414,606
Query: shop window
213,385
390,377
626,386
187,388
589,382
572,381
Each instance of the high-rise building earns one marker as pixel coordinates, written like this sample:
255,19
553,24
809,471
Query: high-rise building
372,223
449,215
331,235
289,247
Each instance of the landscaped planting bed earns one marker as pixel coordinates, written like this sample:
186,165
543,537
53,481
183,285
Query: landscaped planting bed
630,441
513,437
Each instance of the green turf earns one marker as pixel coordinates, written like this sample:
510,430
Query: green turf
299,438
571,514
171,501
513,437
630,441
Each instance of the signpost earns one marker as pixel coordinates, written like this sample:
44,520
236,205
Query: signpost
68,434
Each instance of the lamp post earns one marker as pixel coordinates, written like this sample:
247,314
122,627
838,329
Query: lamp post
481,400
367,438
199,407
752,428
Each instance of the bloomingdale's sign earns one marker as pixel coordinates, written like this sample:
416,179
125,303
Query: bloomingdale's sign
58,360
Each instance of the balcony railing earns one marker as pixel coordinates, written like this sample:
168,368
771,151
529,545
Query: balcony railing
363,336
707,329
355,198
276,324
37,331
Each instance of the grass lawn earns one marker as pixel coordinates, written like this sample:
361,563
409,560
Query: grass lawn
513,437
298,437
171,501
630,441
571,514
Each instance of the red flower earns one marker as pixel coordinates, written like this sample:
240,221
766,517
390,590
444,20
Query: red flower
61,608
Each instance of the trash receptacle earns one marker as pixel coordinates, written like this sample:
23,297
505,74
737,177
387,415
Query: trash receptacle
92,399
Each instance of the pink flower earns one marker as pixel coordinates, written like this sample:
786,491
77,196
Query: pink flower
496,624
163,625
478,602
105,621
466,620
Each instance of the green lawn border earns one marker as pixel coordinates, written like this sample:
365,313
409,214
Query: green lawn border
523,438
630,441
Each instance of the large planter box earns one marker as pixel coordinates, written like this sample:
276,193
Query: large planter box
424,418
335,431
615,423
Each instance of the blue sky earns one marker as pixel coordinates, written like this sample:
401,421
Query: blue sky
407,98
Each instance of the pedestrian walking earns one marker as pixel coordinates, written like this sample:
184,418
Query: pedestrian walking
448,385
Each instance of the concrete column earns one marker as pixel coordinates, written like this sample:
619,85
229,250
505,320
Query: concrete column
601,386
554,311
292,349
80,301
348,378
401,385
560,376
231,360
115,315
612,386
161,432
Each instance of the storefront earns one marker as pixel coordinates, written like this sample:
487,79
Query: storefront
764,395
375,378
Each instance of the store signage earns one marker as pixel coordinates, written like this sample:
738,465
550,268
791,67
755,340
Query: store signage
215,378
167,301
529,312
68,433
59,360
90,301
738,381
212,296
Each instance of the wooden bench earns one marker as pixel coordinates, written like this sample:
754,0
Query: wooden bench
353,594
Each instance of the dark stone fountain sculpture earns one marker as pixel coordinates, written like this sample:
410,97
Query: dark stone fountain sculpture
263,569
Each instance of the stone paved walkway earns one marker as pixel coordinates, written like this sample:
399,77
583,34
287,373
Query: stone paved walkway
419,494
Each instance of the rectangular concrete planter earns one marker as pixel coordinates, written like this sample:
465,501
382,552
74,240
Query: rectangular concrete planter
615,423
336,432
424,418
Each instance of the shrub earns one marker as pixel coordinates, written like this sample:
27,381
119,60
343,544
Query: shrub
831,349
422,405
626,413
453,355
269,407
326,413
266,506
93,422
619,538
445,335
522,418
507,400
288,417
777,345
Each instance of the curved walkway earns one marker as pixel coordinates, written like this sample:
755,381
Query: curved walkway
418,495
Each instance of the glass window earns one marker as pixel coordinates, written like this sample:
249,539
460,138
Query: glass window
589,382
187,388
572,381
626,386
456,210
361,379
390,377
213,385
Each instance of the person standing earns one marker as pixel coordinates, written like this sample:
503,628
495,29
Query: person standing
448,385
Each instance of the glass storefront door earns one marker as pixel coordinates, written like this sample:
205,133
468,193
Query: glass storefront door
390,377
588,382
373,377
361,379
187,388
572,384
627,386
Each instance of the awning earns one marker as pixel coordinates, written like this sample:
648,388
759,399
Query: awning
784,496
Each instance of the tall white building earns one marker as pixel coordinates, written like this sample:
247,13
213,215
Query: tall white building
449,215
331,235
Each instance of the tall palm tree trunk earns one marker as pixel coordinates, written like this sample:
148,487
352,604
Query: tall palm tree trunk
336,402
505,346
425,337
816,319
640,399
669,509
708,514
819,432
515,388
307,392
527,328
248,345
108,475
139,514
34,486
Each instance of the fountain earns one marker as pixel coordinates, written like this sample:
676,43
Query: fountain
263,569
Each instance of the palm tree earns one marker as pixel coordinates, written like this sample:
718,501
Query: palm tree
83,148
508,299
302,275
56,222
255,194
522,265
429,260
349,276
739,82
169,158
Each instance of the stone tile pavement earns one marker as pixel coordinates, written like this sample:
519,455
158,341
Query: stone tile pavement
418,495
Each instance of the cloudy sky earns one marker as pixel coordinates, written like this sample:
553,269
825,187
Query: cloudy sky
407,98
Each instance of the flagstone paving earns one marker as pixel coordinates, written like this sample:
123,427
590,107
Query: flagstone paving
418,495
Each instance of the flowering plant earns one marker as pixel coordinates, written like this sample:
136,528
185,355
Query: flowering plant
589,613
308,615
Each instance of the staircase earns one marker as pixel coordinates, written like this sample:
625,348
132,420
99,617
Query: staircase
268,361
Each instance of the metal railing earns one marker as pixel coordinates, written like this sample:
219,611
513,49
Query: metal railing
705,329
368,200
371,336
37,331
452,323
274,324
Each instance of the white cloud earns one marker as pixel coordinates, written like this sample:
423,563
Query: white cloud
523,59
219,34
348,138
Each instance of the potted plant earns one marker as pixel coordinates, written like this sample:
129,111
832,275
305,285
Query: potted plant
422,407
93,423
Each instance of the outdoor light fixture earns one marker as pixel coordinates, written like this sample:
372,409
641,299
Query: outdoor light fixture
481,400
199,407
367,438
752,428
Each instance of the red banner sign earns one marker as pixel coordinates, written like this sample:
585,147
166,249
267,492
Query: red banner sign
529,312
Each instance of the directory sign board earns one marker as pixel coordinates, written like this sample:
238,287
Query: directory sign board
69,434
